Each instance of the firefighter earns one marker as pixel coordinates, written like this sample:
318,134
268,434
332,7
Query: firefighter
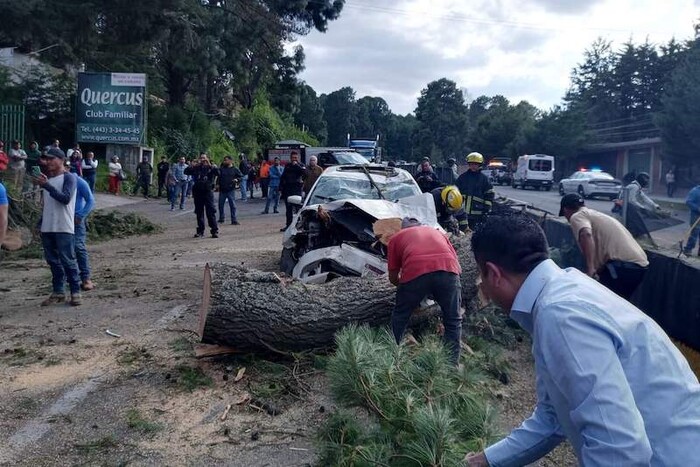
449,208
476,189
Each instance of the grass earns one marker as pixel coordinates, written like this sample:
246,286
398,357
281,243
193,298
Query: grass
21,356
181,344
191,378
136,421
102,444
133,355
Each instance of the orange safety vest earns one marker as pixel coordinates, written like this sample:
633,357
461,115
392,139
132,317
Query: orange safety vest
265,170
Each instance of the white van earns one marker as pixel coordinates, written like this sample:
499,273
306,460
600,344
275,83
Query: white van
535,170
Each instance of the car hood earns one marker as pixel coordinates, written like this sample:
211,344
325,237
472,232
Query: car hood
421,207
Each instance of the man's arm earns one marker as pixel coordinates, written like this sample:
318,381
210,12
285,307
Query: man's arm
587,244
88,202
64,196
394,277
580,351
536,437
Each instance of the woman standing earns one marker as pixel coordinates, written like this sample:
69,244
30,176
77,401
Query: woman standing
115,174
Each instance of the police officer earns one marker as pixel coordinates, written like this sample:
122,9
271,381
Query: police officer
476,189
449,209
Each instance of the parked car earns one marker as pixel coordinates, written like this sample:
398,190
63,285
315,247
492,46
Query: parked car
332,234
535,170
591,183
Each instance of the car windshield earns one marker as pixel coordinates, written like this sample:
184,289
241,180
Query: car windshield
337,187
349,158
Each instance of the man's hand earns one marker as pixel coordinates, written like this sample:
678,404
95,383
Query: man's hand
476,459
40,180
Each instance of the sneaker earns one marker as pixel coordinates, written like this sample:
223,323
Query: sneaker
235,223
172,208
76,299
283,229
54,299
265,212
198,235
215,235
87,285
276,211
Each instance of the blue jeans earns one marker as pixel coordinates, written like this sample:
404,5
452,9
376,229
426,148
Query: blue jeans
223,197
59,251
180,189
90,179
444,287
81,253
273,194
693,238
244,187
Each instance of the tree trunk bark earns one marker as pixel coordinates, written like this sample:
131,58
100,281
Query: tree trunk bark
255,311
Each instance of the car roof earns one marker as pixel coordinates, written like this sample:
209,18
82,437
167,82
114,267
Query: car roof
377,171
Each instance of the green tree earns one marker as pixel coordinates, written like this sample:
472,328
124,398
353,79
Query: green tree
442,121
559,132
678,120
309,114
339,109
398,143
372,117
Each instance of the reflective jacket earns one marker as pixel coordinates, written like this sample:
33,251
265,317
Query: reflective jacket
477,192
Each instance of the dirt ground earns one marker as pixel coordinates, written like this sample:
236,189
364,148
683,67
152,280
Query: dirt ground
74,395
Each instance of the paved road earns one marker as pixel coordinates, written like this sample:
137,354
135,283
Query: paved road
549,201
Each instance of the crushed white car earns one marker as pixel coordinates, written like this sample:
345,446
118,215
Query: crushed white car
332,234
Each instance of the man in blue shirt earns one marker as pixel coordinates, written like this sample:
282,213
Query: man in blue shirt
693,203
608,378
84,203
4,207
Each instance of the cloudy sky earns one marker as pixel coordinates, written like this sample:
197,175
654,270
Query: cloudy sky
522,49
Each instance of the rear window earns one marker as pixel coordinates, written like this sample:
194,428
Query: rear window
540,165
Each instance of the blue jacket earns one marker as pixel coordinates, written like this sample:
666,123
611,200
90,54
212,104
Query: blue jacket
275,176
84,200
693,200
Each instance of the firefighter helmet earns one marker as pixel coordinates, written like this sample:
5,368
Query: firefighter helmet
475,158
451,198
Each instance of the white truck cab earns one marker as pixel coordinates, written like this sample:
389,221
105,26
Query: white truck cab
535,170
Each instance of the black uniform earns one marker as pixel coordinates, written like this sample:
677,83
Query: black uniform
202,191
143,178
163,167
478,196
446,218
291,184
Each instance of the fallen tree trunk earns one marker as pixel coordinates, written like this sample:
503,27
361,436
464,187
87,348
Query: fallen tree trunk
256,311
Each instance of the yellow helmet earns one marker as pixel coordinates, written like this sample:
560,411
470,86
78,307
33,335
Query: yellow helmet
475,157
452,198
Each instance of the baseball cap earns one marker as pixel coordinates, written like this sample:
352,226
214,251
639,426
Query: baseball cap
54,152
571,201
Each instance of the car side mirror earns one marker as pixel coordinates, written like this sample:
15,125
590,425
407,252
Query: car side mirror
295,200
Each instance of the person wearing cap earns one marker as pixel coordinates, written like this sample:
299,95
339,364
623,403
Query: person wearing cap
421,262
608,378
58,225
476,189
449,208
453,171
612,255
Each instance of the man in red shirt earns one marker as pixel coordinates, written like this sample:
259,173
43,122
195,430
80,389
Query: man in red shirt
422,262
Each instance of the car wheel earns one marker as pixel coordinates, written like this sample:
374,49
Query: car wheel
287,261
581,192
561,190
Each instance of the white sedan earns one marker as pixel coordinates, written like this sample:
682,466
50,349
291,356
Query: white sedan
590,183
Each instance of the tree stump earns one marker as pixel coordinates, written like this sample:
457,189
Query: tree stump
254,311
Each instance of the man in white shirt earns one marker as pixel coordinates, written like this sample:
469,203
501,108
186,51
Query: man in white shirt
58,226
608,378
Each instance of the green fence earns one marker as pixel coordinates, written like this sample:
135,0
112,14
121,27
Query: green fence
11,124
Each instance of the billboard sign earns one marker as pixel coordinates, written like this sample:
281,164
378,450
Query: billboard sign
111,108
